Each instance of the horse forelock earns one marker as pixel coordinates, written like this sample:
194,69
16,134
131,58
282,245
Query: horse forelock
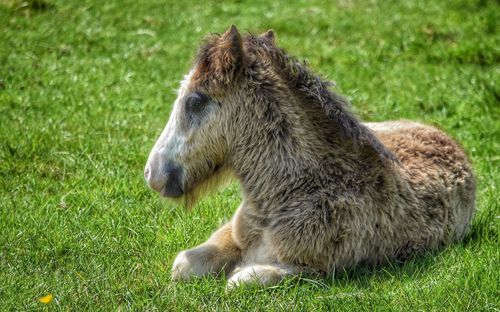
216,63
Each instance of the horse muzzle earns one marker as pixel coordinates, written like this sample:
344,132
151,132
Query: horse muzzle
166,179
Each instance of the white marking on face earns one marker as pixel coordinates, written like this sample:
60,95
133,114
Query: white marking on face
170,143
170,140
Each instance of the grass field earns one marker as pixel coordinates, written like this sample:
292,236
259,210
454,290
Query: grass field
86,87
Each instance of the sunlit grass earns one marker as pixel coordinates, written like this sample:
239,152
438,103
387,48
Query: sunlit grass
86,87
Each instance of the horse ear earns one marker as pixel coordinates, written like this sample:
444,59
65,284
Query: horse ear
232,45
269,35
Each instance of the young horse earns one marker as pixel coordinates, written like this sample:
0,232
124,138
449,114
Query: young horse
321,191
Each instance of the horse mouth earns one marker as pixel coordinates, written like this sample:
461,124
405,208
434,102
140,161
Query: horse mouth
171,191
174,190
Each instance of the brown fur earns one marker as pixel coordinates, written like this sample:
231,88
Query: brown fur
321,191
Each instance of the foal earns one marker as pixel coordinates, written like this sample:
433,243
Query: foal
321,191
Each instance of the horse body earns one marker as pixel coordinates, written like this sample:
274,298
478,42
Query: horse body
321,191
326,220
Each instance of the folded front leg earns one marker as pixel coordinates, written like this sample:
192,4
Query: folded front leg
218,254
261,274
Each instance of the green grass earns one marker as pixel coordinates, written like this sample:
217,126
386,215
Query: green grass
86,87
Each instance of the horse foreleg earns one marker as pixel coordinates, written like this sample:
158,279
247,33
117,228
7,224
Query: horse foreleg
218,254
262,274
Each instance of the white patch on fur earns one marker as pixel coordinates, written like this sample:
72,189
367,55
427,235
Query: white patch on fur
169,143
258,274
185,269
182,269
388,126
261,253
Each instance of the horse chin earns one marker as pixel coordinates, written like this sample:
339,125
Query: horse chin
218,179
171,193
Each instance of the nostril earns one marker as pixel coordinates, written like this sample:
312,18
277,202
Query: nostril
167,181
173,171
173,185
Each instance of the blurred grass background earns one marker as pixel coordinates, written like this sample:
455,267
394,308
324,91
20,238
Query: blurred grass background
86,88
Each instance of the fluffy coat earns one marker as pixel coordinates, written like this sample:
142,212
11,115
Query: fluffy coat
321,190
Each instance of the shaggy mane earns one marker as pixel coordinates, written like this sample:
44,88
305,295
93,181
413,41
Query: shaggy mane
304,82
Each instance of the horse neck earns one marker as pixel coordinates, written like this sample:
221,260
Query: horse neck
303,147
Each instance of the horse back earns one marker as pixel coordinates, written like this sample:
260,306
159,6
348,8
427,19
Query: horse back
436,170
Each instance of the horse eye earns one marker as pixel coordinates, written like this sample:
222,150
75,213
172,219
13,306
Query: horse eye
195,101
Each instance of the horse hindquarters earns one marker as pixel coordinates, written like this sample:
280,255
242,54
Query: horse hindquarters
437,172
